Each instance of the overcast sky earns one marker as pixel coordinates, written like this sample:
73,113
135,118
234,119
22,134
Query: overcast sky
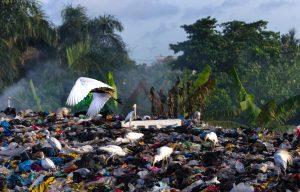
151,25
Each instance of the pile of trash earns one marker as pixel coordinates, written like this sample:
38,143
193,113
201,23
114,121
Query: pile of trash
62,152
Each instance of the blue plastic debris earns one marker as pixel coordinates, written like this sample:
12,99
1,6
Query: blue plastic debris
25,166
5,125
203,135
57,161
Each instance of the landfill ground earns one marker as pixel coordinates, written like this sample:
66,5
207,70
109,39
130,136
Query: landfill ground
243,160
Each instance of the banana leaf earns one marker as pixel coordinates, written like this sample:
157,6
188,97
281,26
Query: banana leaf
35,96
287,109
111,82
247,100
203,77
267,114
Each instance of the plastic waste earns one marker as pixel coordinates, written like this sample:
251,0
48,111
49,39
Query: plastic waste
193,185
6,128
25,166
239,167
242,187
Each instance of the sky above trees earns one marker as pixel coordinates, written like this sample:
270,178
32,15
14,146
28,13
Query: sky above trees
151,25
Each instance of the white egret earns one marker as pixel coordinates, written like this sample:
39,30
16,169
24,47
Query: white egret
47,163
122,140
52,141
163,153
212,138
113,150
133,136
131,115
101,94
282,159
197,116
146,117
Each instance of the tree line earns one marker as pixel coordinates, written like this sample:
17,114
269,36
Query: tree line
248,63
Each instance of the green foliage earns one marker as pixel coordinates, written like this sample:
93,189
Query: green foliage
77,51
23,28
111,82
246,100
193,91
268,61
203,77
35,97
287,109
225,45
272,115
268,113
91,46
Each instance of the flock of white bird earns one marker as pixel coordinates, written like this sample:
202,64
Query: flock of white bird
83,86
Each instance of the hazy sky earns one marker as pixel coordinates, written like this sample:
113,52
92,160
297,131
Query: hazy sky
151,25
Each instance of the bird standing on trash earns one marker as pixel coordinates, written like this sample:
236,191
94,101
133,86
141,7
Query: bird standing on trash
113,150
282,159
131,115
163,153
134,136
212,138
197,116
101,94
53,141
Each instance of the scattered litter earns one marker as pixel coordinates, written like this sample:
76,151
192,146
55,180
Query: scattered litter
61,152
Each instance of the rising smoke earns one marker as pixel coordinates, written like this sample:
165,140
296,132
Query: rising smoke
50,81
53,84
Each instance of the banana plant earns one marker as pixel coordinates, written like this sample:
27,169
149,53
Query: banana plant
35,96
271,116
192,93
111,82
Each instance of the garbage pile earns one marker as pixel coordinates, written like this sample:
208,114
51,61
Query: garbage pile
62,152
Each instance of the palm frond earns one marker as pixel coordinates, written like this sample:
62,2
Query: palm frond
288,109
267,114
203,77
35,96
76,51
111,82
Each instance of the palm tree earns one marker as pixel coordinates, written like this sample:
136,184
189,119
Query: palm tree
23,26
290,46
86,42
75,26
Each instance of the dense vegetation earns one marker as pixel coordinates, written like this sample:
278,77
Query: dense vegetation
254,72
